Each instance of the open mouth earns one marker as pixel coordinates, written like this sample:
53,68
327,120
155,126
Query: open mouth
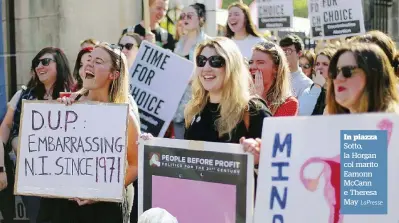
41,73
209,77
233,23
186,23
89,75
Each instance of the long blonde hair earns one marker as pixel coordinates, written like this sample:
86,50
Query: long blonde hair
235,89
380,93
119,88
280,89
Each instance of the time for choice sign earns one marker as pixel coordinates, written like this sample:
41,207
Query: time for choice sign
72,151
158,80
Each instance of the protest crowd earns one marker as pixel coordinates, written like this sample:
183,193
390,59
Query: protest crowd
238,80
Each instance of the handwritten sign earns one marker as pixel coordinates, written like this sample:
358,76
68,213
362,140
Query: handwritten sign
221,174
72,151
275,14
158,81
303,171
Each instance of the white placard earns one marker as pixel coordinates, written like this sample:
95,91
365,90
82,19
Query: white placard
275,14
196,181
76,151
291,144
315,18
342,18
158,80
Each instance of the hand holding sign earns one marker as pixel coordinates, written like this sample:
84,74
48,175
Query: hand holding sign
252,146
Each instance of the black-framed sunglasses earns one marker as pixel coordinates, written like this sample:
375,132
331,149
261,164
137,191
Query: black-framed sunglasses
304,66
347,71
128,46
215,61
45,62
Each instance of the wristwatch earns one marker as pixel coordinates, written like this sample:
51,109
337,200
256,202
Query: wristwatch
2,169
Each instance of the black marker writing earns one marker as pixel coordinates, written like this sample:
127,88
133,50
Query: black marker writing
147,101
155,58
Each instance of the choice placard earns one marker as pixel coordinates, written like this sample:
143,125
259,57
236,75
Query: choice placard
72,151
158,80
341,18
275,14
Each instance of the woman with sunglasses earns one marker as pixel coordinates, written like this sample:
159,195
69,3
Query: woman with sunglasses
193,18
306,63
106,80
52,75
269,68
222,108
241,29
130,44
361,80
312,101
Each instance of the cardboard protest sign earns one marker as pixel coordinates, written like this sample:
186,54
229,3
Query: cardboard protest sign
275,14
314,15
324,169
75,151
342,18
158,80
196,181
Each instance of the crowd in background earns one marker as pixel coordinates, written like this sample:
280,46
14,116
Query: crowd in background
239,80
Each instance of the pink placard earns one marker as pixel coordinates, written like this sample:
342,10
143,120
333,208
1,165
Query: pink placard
193,201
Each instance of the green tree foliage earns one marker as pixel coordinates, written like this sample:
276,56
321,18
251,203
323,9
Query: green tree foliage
300,6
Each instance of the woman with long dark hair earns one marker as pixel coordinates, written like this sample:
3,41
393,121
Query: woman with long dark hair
52,75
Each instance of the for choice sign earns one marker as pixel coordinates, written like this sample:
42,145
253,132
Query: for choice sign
342,18
72,151
158,79
275,14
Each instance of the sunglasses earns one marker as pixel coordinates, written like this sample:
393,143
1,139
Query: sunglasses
304,66
347,72
184,15
44,62
215,61
128,46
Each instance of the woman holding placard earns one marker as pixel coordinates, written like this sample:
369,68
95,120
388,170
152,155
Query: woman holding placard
270,70
106,81
222,108
52,76
241,29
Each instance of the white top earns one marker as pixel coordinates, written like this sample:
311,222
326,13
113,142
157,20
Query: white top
299,82
308,100
246,45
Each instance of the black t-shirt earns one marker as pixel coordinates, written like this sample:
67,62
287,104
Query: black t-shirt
203,126
162,37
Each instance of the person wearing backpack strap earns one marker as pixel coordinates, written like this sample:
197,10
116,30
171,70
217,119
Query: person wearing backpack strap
158,35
